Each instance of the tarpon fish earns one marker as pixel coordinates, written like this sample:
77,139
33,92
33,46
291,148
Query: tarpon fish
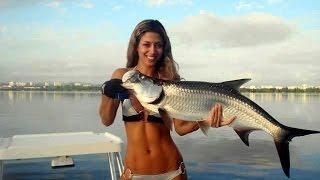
193,100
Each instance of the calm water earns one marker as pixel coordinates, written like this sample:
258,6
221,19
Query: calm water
222,155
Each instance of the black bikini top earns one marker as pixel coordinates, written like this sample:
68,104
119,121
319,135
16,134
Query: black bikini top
129,114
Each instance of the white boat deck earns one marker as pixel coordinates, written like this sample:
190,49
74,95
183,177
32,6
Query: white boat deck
62,145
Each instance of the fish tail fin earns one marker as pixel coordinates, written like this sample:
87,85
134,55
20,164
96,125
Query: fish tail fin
294,132
284,155
282,145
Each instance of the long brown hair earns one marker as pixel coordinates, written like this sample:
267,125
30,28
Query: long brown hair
166,66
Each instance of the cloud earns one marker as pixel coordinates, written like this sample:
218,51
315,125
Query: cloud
93,65
117,8
255,5
56,53
292,62
166,2
86,5
240,5
57,5
272,2
157,2
243,5
216,32
3,29
54,4
262,47
315,13
8,4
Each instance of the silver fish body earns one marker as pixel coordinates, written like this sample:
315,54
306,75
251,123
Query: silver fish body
193,100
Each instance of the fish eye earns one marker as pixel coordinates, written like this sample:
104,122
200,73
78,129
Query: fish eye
141,76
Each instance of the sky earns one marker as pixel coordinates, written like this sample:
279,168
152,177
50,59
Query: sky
273,42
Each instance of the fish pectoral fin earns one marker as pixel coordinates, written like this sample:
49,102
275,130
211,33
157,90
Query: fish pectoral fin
204,128
244,135
166,118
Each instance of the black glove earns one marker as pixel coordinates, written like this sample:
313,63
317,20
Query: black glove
114,90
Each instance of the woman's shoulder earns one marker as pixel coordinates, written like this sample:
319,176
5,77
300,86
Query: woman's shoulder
118,73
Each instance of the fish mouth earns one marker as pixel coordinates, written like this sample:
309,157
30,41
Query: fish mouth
126,85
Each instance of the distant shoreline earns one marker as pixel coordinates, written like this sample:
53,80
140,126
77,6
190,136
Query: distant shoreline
53,88
284,90
97,89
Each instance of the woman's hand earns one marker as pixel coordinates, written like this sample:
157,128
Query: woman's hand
135,103
215,117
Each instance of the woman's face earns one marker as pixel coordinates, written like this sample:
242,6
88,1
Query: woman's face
150,48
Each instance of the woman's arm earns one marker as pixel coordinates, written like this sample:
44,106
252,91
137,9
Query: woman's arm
108,110
215,120
184,127
109,106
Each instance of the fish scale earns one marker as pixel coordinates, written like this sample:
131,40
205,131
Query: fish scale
182,102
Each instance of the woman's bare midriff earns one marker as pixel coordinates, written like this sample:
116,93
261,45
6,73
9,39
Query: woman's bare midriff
150,148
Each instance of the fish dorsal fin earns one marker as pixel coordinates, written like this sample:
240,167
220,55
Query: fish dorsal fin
235,84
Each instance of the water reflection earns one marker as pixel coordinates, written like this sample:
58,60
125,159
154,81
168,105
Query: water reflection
25,112
27,96
302,98
86,167
13,96
222,155
226,158
261,151
231,151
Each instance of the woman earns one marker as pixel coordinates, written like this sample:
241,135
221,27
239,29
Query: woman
151,152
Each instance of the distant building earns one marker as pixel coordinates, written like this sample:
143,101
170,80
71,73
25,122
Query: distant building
46,84
31,88
57,84
266,87
304,86
292,87
20,83
252,87
77,84
11,83
5,87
